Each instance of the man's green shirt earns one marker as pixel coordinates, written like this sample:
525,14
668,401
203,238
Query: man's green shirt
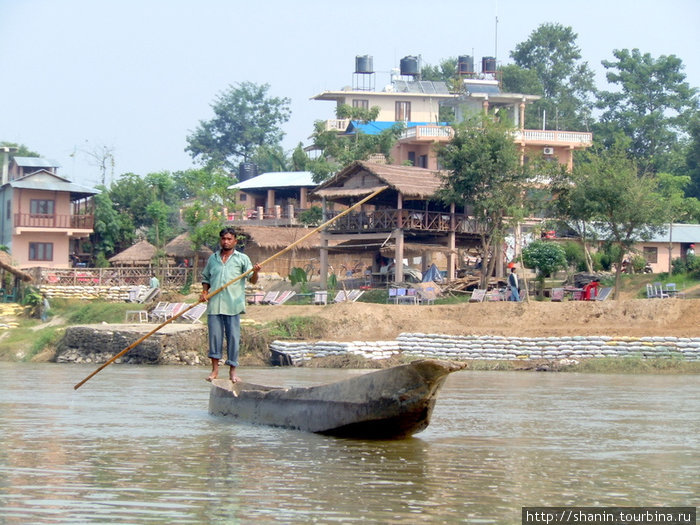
231,300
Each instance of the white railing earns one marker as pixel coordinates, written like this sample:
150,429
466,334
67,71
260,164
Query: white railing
432,132
552,136
337,124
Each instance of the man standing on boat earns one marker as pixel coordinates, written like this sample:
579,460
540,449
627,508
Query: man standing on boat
224,308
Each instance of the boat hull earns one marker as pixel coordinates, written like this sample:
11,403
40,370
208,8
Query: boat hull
387,404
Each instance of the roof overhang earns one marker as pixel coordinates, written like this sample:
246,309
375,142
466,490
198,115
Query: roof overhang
347,192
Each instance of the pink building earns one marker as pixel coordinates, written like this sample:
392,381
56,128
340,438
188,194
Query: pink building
43,216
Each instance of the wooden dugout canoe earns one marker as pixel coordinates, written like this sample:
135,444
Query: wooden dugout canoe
387,404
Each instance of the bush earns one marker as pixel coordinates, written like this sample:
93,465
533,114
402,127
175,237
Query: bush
574,256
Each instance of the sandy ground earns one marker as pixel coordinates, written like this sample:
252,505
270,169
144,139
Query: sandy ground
369,322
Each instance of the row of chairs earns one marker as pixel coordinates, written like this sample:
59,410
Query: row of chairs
166,310
657,291
270,297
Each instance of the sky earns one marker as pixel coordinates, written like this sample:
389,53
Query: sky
136,77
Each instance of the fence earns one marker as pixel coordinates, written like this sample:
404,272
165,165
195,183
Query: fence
169,277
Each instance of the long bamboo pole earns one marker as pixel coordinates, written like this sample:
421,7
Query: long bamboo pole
236,279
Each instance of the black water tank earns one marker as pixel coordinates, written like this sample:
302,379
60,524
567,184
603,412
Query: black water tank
409,66
465,65
363,64
488,65
247,170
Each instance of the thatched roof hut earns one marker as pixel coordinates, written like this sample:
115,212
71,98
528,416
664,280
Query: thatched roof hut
180,248
140,254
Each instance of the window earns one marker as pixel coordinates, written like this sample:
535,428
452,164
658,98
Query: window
243,197
412,157
41,207
403,111
41,251
360,103
651,254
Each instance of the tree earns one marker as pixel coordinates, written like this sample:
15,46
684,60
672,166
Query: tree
567,82
245,118
338,150
653,105
485,175
623,206
113,230
22,150
208,193
546,257
692,157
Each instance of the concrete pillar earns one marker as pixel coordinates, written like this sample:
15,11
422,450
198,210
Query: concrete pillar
303,198
521,123
290,211
261,212
452,245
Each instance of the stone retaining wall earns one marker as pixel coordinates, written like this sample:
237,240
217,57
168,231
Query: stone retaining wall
175,345
453,347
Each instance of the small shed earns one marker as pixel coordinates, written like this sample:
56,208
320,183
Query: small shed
140,254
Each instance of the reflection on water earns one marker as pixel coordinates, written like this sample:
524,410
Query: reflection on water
136,444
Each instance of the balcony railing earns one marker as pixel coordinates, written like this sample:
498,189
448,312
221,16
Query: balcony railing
553,137
338,124
66,222
428,133
415,220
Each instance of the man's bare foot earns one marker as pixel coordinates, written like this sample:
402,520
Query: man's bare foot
232,375
211,377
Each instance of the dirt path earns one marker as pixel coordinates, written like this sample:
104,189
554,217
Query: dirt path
631,317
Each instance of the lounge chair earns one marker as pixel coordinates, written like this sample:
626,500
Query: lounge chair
159,311
604,293
347,296
478,295
193,314
270,298
672,291
283,297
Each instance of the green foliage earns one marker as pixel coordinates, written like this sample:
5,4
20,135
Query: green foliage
114,228
245,118
575,258
485,174
33,299
337,151
297,276
567,83
652,105
689,265
332,282
311,217
546,257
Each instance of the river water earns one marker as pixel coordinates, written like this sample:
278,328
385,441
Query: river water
136,444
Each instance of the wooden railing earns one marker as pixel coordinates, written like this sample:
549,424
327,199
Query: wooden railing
35,220
170,277
388,220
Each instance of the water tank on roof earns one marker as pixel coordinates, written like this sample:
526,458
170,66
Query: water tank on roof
363,64
488,65
409,66
247,170
465,65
